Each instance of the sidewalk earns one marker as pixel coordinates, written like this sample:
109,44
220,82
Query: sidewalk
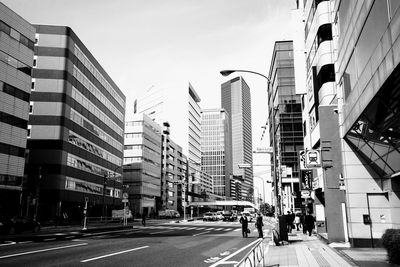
304,250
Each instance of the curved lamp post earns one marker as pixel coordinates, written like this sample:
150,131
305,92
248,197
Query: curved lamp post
229,72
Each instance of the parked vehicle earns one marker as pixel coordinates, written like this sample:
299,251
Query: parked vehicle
220,215
209,216
18,224
168,214
229,216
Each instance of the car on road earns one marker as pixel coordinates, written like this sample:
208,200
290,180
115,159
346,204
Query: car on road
220,215
209,216
168,214
229,216
18,224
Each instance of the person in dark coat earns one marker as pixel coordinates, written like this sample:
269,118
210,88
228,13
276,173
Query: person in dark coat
289,221
303,223
310,223
143,219
245,223
259,225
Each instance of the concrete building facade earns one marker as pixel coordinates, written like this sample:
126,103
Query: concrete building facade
17,38
142,164
320,122
367,77
76,129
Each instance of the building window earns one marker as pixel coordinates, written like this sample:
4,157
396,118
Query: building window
30,107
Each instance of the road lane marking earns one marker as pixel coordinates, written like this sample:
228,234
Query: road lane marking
160,232
237,229
224,260
228,229
41,250
25,242
49,239
113,254
9,243
201,233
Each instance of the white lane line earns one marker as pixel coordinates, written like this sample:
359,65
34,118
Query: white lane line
218,229
237,229
41,250
49,239
160,232
113,254
228,229
224,260
201,228
201,233
25,242
9,243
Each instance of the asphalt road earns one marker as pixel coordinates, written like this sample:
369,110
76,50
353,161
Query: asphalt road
184,244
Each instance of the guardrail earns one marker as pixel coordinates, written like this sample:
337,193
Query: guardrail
255,257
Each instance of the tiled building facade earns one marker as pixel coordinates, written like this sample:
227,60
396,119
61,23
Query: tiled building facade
76,129
16,59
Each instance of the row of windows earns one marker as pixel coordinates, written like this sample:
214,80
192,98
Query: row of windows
79,119
16,35
10,180
15,92
88,64
82,186
96,92
85,165
12,120
143,148
310,18
81,99
15,63
83,143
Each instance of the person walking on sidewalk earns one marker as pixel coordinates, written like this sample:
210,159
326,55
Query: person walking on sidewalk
143,219
297,221
303,222
259,225
310,223
245,223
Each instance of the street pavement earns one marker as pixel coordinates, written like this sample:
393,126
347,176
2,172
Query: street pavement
159,243
303,250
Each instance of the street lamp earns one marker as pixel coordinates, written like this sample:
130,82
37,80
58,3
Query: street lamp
229,72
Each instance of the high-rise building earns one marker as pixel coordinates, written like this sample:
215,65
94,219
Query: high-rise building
320,122
235,99
16,59
216,149
142,163
367,76
184,122
285,126
76,129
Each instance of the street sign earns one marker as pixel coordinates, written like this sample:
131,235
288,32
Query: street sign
125,195
313,159
283,171
305,194
302,157
244,165
125,200
267,150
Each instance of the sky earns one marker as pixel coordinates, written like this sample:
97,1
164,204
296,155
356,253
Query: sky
152,42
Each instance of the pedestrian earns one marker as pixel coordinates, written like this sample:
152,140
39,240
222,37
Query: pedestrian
143,219
310,223
289,221
297,221
245,223
259,225
303,222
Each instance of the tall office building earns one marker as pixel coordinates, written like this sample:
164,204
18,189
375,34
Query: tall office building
184,122
235,99
76,129
320,122
367,76
216,145
16,58
285,126
142,163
